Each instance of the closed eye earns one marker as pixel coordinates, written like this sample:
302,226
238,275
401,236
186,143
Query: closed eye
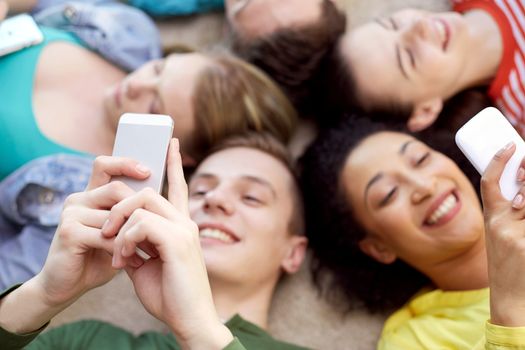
387,198
393,23
422,159
412,58
251,199
197,194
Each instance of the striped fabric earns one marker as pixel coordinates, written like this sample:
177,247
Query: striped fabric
508,88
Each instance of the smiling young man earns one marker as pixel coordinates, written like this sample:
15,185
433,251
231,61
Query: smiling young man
413,61
214,262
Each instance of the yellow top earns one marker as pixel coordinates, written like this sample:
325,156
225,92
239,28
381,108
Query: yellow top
438,319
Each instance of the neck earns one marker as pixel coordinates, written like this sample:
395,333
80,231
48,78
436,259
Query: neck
465,272
484,53
252,303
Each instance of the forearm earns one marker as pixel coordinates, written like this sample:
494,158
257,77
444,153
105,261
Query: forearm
25,310
17,6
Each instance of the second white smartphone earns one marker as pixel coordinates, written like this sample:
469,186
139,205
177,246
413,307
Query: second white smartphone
18,32
484,135
144,138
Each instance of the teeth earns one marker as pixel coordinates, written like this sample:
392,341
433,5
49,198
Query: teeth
216,234
442,30
448,204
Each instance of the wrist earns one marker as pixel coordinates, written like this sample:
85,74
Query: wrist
212,337
23,311
507,312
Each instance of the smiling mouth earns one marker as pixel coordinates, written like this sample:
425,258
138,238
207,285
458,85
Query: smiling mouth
117,93
444,32
217,235
445,211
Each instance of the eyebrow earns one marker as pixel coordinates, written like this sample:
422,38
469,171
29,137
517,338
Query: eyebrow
377,177
249,178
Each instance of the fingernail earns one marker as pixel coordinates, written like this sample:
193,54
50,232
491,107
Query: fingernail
507,147
143,169
518,200
521,174
114,261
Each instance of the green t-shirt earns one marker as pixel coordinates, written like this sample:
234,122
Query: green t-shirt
20,137
99,335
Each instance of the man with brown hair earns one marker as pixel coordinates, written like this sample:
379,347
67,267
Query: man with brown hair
218,248
286,39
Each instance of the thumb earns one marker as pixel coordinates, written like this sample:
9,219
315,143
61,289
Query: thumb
490,190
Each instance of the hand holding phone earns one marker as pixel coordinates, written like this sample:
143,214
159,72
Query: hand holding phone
482,137
144,138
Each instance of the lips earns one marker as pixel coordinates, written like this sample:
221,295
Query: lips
444,32
117,93
217,233
443,210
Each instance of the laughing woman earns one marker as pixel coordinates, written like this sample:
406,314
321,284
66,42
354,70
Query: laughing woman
412,62
398,218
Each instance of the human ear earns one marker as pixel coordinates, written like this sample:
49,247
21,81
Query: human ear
295,254
377,250
425,114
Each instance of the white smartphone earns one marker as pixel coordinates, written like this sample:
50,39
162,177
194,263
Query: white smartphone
484,135
145,138
18,32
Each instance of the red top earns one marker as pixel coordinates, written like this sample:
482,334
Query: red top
508,87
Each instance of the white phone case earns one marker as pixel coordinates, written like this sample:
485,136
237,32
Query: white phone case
145,138
18,32
484,135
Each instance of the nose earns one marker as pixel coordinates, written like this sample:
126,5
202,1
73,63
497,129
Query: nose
418,29
135,88
423,187
218,201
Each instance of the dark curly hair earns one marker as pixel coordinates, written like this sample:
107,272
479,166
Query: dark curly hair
339,266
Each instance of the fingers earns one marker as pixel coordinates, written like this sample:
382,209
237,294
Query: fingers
177,187
490,190
106,167
86,216
146,199
143,229
103,197
73,234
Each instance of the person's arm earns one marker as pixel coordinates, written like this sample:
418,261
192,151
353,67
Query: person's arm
173,284
79,258
17,6
4,8
505,241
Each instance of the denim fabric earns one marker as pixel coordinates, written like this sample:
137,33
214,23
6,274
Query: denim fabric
31,201
177,7
122,34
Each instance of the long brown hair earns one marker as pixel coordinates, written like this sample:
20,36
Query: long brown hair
233,96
